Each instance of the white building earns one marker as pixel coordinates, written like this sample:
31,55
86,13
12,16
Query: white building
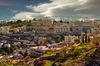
61,29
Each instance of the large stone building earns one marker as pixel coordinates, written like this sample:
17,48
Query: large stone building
72,27
60,29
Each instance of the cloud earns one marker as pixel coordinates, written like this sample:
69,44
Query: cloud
63,8
31,7
91,6
26,15
13,11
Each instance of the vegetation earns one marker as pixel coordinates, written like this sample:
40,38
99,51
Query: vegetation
75,56
17,23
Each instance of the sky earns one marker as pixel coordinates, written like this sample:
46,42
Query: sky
29,9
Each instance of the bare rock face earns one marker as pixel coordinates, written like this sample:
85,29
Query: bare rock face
95,59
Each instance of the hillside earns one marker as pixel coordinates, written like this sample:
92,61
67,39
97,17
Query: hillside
82,55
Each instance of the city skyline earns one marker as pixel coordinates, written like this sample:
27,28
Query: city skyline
29,9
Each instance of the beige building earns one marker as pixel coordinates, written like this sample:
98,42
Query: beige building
70,38
4,29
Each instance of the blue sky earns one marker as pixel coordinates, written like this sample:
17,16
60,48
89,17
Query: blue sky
8,8
29,9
